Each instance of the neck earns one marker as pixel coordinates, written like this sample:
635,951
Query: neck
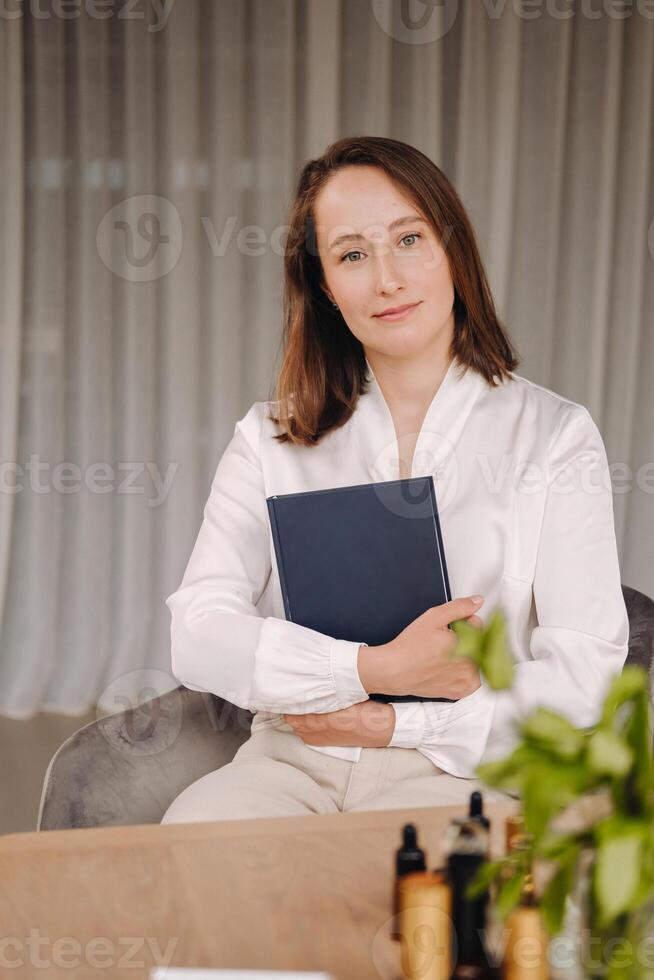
409,384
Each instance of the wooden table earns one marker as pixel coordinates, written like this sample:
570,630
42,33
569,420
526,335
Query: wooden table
302,893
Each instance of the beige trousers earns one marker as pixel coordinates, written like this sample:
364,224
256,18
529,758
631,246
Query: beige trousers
274,774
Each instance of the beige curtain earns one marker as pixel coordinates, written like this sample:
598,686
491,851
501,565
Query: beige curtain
12,236
147,166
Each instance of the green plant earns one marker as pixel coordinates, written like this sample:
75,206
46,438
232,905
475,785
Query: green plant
556,764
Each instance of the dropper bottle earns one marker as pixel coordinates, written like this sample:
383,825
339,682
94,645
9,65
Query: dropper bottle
476,813
409,858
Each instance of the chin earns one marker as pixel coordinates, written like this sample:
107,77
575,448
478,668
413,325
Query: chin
403,341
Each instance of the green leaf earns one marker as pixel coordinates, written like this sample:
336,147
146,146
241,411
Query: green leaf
633,681
556,846
470,640
508,895
609,754
488,648
638,734
616,872
511,772
644,892
548,790
497,664
485,876
617,825
554,732
553,899
620,965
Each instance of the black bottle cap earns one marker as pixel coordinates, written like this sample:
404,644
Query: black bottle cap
409,857
476,810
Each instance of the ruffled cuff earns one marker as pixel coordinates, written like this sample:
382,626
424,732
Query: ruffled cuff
344,655
298,670
452,735
409,724
456,734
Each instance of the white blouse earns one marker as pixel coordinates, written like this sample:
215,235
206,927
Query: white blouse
525,503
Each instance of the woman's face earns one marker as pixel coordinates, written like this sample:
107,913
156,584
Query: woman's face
391,258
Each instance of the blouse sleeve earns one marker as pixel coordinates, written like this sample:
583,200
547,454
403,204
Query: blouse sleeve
581,640
219,642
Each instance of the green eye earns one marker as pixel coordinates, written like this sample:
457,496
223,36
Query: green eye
347,255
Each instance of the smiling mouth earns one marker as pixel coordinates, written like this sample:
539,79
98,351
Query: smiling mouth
401,312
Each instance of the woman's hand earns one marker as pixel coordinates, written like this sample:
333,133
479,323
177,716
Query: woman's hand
369,724
420,658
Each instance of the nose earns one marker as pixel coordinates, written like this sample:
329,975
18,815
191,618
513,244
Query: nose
388,277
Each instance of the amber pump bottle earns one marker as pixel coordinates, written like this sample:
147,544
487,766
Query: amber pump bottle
426,926
525,929
514,829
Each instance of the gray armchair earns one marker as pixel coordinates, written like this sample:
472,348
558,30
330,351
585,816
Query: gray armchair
127,768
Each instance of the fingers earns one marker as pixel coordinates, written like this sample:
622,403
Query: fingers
462,608
475,621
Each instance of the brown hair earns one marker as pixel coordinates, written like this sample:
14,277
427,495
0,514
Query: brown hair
323,370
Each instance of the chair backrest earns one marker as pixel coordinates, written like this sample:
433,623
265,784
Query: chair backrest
640,609
127,768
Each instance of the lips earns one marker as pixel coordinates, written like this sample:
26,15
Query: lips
395,312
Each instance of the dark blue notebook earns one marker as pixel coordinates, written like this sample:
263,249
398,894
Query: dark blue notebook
360,563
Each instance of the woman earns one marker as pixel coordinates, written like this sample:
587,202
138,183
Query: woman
366,394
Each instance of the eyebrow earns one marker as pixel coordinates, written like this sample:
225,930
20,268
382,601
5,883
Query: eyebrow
406,220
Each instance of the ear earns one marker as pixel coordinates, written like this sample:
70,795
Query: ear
327,293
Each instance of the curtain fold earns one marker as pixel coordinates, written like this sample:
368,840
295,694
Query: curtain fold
147,169
623,395
12,237
132,129
530,308
33,593
319,76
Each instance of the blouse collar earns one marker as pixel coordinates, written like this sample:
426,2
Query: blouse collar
440,431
